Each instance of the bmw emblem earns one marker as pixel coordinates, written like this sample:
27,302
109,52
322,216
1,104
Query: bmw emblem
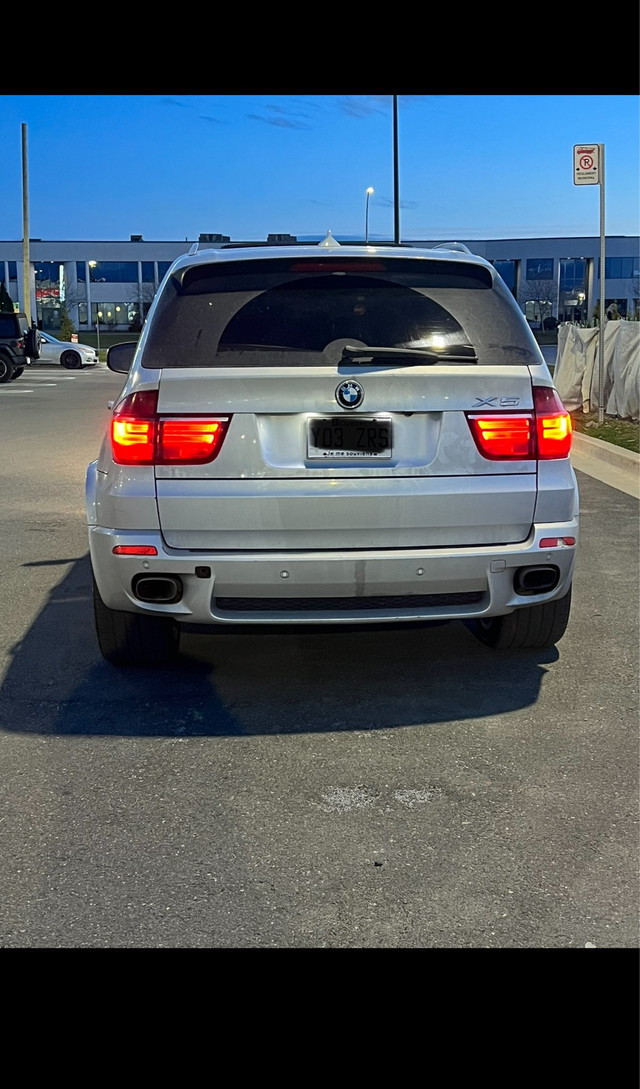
350,394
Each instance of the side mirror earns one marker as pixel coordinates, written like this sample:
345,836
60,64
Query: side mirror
120,357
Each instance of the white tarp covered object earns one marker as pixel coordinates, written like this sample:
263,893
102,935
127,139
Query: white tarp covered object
577,370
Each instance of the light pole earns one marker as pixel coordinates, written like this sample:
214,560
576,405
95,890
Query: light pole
396,184
98,316
366,215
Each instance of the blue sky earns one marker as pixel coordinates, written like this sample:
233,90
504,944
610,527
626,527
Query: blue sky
171,166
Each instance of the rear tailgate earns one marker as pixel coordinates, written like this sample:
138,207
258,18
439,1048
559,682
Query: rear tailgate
270,488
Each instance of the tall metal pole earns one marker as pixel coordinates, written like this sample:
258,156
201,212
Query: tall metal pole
396,188
26,263
603,309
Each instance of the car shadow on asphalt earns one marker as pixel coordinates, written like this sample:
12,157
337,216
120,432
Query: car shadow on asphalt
248,683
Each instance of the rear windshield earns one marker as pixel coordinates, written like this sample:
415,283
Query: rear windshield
303,312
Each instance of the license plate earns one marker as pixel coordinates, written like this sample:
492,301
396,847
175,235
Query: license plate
367,437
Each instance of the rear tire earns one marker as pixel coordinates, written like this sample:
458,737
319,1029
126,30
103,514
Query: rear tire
532,626
6,369
128,639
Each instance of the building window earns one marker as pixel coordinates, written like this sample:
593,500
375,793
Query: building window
573,290
540,268
82,313
13,270
147,272
163,268
117,314
81,271
113,272
507,270
620,268
47,271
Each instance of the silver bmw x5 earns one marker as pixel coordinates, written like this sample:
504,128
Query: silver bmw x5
332,435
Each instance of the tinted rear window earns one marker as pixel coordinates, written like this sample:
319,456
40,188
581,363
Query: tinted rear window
9,326
301,312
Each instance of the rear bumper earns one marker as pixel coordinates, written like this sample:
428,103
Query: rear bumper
318,587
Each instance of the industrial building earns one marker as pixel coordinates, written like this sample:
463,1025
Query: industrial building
111,284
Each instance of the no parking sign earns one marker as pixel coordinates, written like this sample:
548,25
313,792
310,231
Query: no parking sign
586,164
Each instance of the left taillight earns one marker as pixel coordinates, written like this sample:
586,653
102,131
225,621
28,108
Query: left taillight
544,433
139,436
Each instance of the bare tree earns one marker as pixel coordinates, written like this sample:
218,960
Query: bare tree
143,295
633,312
541,293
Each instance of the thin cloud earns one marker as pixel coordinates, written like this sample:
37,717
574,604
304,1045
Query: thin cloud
366,105
387,202
279,122
360,107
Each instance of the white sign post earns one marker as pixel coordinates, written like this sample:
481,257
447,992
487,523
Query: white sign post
588,169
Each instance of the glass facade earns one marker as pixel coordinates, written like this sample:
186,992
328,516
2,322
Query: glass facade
507,270
620,268
113,272
114,313
573,290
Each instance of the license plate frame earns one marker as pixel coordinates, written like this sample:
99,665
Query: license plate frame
362,438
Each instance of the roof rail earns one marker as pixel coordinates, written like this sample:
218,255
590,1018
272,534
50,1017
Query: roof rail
459,247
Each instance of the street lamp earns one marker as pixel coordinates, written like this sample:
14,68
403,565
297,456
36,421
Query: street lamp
98,316
366,215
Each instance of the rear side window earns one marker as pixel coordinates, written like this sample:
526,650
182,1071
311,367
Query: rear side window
301,312
9,326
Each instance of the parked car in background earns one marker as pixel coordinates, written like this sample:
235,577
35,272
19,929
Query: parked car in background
65,353
347,435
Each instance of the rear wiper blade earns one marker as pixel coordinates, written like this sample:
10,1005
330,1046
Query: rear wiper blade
424,354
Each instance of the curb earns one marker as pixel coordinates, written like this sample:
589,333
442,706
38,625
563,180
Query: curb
607,462
606,451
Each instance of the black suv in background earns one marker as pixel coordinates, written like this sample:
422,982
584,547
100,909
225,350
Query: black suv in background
18,345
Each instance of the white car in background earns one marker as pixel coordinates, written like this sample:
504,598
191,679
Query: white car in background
67,354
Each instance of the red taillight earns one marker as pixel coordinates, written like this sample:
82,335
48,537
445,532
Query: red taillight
544,433
133,429
194,441
553,423
140,437
503,437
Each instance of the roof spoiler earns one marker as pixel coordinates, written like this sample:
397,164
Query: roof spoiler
459,247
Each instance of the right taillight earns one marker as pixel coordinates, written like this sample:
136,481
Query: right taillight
522,436
553,423
139,436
